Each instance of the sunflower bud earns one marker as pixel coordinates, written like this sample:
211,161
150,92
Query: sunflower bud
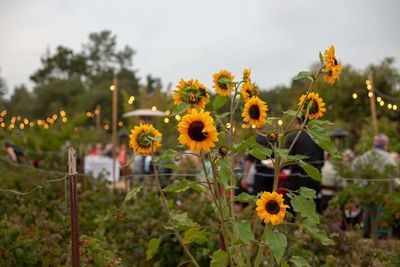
272,137
223,151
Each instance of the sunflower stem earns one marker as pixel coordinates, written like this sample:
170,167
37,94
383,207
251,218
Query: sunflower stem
165,203
260,252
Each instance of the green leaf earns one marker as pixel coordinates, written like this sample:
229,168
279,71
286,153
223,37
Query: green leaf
133,192
277,242
225,114
245,198
245,144
225,172
152,248
284,153
305,206
321,58
182,185
181,108
311,171
310,227
243,228
299,261
220,101
194,235
307,192
317,131
303,75
292,113
219,259
182,222
260,152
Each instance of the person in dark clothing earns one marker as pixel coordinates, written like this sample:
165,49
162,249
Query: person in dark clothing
264,177
304,146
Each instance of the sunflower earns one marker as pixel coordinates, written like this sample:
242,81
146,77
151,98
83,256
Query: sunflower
197,131
248,90
145,139
332,68
246,75
317,108
191,92
255,112
223,82
270,208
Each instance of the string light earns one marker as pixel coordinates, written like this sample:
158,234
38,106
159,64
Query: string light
154,108
167,112
370,94
379,99
106,126
178,117
120,124
3,113
26,121
394,107
31,124
112,87
21,126
355,95
64,120
131,99
280,122
3,125
382,103
166,120
389,106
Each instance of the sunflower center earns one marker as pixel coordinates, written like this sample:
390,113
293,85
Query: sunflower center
196,131
223,83
272,207
314,107
192,99
248,92
254,112
144,139
335,61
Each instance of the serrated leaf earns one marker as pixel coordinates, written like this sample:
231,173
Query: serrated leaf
292,113
194,235
317,131
152,248
305,206
299,261
168,155
133,192
220,101
260,152
308,192
243,228
277,242
284,153
182,185
311,171
225,172
303,75
310,227
245,144
219,259
245,198
181,108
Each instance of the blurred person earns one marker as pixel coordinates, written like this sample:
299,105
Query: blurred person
249,171
13,152
107,151
329,184
315,156
375,160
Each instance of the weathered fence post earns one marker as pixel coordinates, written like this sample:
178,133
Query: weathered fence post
73,197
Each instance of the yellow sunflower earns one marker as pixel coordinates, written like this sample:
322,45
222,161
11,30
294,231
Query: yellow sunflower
197,131
332,68
248,90
318,106
270,208
255,112
246,75
191,92
145,139
223,82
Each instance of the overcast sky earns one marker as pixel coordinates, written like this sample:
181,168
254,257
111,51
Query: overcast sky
193,39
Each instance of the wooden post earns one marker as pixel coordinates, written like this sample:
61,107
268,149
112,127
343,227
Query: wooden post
373,104
114,127
73,197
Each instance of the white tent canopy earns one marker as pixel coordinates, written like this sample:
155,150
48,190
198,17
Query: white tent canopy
144,113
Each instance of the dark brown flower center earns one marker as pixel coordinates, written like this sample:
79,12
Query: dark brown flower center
272,136
254,112
314,107
272,207
335,61
196,131
223,82
192,99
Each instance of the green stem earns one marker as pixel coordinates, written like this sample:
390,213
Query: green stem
260,252
165,203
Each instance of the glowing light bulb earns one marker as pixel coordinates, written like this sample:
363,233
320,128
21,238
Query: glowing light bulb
280,122
131,99
370,94
166,120
389,106
167,112
154,108
379,99
394,107
355,95
178,117
382,103
112,87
